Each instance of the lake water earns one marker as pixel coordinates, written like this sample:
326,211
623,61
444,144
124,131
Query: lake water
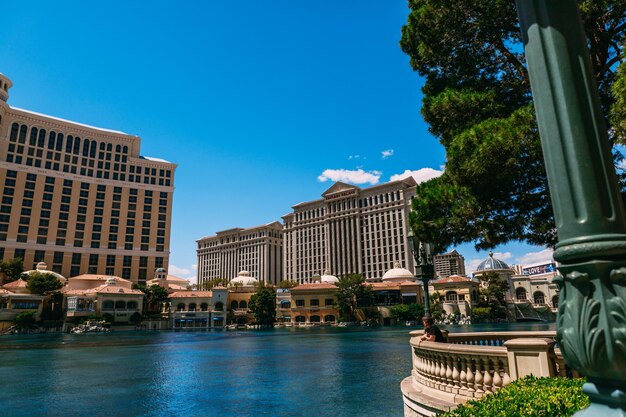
283,372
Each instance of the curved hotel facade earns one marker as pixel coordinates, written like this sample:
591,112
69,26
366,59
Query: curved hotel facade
349,230
80,198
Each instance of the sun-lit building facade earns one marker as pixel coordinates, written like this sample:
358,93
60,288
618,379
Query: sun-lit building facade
349,230
79,198
257,250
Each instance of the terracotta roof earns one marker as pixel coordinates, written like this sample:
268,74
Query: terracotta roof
191,294
452,278
114,289
314,286
94,277
5,292
18,283
385,285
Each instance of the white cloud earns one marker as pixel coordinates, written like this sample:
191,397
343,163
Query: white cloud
358,176
542,256
185,273
387,153
354,156
420,175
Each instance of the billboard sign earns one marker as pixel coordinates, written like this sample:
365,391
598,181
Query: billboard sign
539,269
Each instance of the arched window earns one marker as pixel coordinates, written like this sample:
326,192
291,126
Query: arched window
120,305
107,305
102,146
451,296
329,318
125,149
314,319
180,307
243,304
22,138
41,141
60,142
204,307
51,140
520,294
131,305
539,297
76,150
192,307
109,147
234,305
86,147
118,148
300,319
92,150
33,136
555,301
69,143
219,306
14,129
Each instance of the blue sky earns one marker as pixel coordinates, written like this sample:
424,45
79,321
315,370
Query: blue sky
257,102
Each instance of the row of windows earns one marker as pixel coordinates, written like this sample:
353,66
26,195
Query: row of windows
56,143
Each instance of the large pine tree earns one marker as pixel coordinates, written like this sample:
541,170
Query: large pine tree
477,101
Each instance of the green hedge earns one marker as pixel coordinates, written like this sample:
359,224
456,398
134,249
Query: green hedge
530,396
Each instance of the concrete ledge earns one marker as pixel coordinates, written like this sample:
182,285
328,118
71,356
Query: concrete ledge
420,402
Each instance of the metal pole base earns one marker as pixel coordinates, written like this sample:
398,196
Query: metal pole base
605,400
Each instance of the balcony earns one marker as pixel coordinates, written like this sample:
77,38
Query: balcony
472,365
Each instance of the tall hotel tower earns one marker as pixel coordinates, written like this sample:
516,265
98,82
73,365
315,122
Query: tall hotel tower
257,250
80,198
349,230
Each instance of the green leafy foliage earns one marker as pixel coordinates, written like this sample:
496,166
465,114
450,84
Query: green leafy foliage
43,283
108,317
408,312
493,298
135,318
26,319
12,269
208,285
477,102
155,295
353,293
529,396
263,305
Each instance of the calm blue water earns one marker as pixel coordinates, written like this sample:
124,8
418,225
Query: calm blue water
284,372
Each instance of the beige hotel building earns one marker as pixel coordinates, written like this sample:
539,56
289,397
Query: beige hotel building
349,230
257,250
80,198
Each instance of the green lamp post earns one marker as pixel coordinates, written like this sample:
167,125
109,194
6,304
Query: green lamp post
591,323
424,269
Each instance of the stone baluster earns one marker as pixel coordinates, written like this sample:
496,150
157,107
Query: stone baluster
478,380
488,380
463,376
456,374
448,376
497,378
469,376
435,372
506,378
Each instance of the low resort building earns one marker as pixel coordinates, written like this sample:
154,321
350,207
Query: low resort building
89,294
198,309
398,286
169,282
315,302
457,294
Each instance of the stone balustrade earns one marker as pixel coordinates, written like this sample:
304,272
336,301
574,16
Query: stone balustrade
472,365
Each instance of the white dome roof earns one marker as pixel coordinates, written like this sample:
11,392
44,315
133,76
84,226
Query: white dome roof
327,277
43,269
397,273
244,279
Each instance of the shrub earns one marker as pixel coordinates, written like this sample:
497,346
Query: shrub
481,313
109,318
26,319
135,318
529,396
